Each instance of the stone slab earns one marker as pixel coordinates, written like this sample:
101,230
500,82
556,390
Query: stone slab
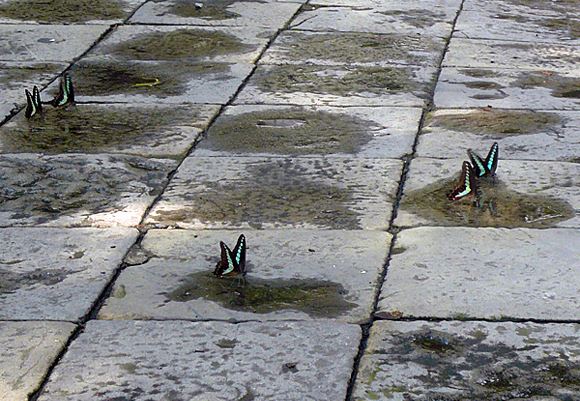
484,273
476,361
254,192
510,89
333,275
145,130
78,190
524,7
418,4
353,48
377,132
184,43
339,85
264,13
57,274
45,43
291,361
521,134
513,55
28,351
547,185
105,81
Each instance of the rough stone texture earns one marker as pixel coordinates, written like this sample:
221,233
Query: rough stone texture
484,273
353,48
391,131
280,257
59,43
263,13
78,190
474,361
223,192
145,130
28,350
556,180
416,4
566,8
57,274
510,89
548,136
339,85
518,55
288,361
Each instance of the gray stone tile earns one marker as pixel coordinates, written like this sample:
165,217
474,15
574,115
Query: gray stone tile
339,85
521,134
510,89
566,8
78,190
299,274
291,361
485,273
44,43
529,194
476,361
262,13
377,132
57,274
28,351
145,130
353,48
254,192
416,4
517,55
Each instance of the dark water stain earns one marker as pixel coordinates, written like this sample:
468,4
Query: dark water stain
485,85
570,27
498,206
317,298
11,76
207,10
11,281
418,18
398,250
561,86
496,124
289,131
478,73
62,11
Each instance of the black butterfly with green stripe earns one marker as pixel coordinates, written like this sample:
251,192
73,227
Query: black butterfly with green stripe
33,103
467,184
232,263
66,93
487,166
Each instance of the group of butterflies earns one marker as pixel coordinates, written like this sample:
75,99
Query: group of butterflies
65,96
471,172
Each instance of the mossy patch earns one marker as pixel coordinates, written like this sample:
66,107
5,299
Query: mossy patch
418,18
11,281
496,124
478,73
561,86
485,85
207,10
289,131
317,298
62,11
12,76
434,341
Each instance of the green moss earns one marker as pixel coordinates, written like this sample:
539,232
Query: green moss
434,341
398,250
418,18
130,368
561,86
12,76
209,10
317,298
289,131
478,73
485,85
62,11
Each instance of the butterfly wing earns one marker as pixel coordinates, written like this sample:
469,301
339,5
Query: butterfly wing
492,158
33,105
239,255
65,93
467,184
226,264
479,165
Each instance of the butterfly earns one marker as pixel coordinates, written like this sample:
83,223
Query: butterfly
487,166
66,92
467,184
33,103
232,263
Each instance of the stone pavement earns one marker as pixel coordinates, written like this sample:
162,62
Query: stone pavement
328,132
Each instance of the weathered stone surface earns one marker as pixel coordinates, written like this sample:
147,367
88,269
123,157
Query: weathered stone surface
519,55
262,13
292,275
78,190
59,43
243,192
509,89
484,273
377,132
476,361
145,130
567,8
339,85
28,350
353,48
293,361
415,4
521,134
530,194
57,274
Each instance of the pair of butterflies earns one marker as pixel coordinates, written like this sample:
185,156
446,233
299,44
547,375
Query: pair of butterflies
65,96
470,172
232,263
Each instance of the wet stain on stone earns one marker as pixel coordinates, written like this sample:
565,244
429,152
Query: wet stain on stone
317,298
398,250
434,341
207,10
130,368
569,27
62,11
226,343
485,85
289,131
11,77
418,18
11,281
561,86
478,73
